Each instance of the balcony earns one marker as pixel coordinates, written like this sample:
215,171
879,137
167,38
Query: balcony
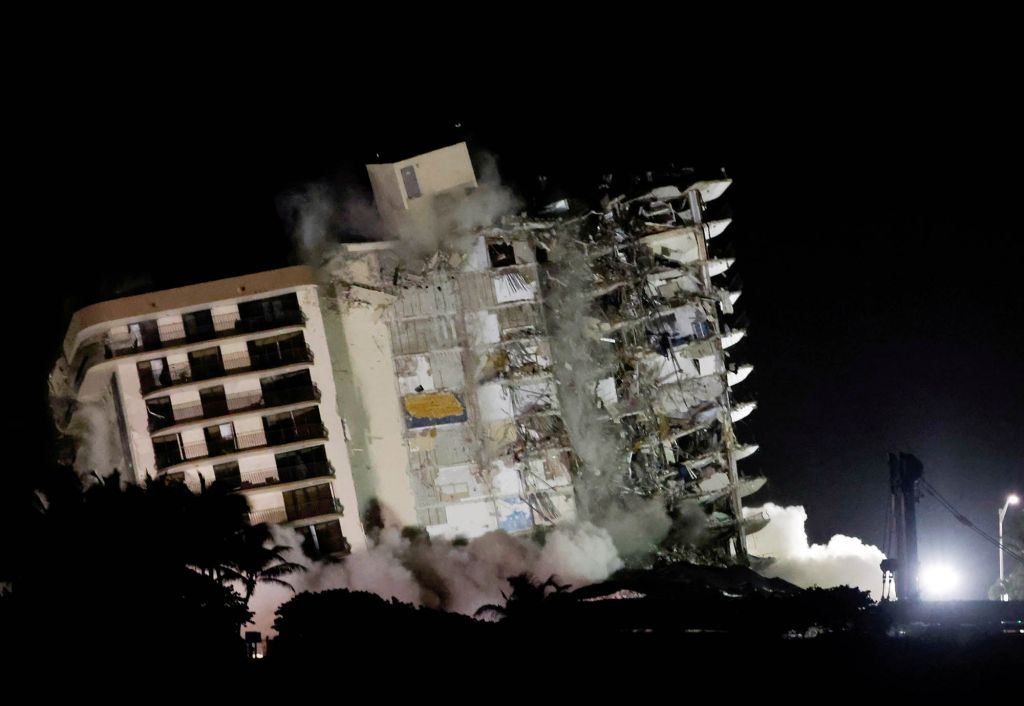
299,511
273,516
243,442
232,364
264,477
234,404
314,508
222,326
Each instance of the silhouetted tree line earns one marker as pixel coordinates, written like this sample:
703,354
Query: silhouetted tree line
350,626
129,574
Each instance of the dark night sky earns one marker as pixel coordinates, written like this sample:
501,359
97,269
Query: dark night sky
876,229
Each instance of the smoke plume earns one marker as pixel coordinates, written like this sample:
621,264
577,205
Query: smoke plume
442,575
844,561
97,439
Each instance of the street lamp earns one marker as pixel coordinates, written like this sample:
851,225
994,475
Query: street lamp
1010,500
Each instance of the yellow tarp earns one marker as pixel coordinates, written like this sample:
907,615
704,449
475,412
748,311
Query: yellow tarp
433,405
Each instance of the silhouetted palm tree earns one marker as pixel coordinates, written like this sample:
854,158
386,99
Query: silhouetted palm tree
253,560
526,600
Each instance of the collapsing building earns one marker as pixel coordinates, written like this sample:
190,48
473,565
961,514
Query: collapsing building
473,374
545,367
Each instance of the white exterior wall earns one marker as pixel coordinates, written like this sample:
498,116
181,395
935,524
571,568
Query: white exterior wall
136,419
257,461
379,448
336,446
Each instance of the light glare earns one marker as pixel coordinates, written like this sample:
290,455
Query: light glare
938,580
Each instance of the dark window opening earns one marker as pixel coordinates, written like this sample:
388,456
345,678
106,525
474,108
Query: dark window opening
412,184
198,325
214,401
168,451
205,364
324,538
302,464
283,310
220,439
228,474
145,335
154,374
501,254
287,389
287,427
279,350
309,502
161,414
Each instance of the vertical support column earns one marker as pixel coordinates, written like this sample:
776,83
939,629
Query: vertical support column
728,434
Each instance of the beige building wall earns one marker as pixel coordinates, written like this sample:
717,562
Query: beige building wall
440,171
93,326
368,397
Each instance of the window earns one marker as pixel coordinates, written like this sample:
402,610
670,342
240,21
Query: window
279,350
198,325
161,414
309,502
293,426
412,184
304,463
154,374
206,363
214,401
287,388
228,474
324,538
501,254
168,451
220,439
268,313
144,335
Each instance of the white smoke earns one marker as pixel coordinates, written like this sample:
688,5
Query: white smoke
637,525
311,213
97,438
443,575
844,561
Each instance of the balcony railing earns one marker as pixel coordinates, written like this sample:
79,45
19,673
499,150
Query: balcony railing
232,404
245,441
313,508
223,326
258,477
231,364
287,474
301,511
273,516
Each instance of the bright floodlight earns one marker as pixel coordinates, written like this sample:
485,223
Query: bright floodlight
1013,500
938,580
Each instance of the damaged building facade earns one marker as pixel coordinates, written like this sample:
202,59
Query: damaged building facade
463,377
544,367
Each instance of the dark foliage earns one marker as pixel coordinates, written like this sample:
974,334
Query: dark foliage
110,571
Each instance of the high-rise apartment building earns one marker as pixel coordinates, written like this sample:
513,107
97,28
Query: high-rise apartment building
474,373
228,380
